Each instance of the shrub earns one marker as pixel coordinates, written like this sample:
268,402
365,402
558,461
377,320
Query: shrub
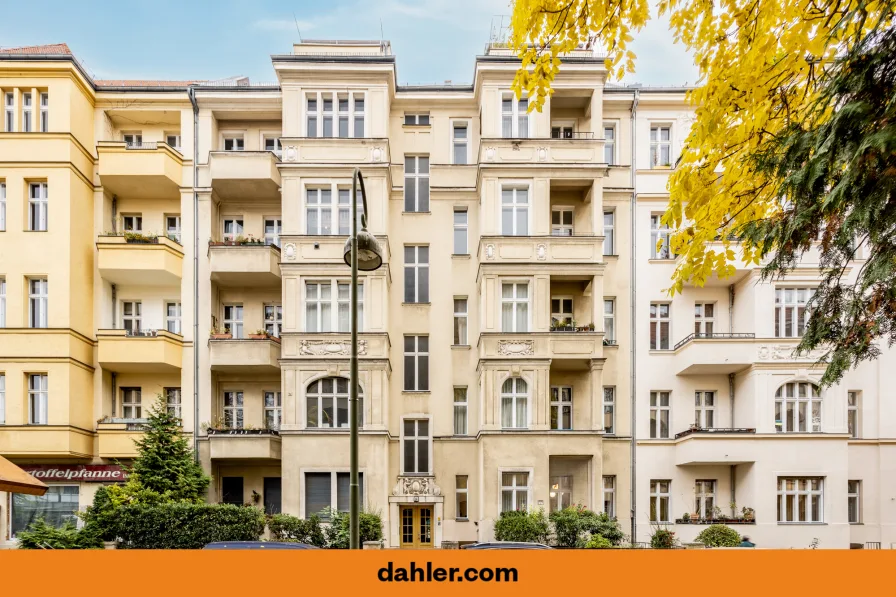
662,539
573,526
41,535
186,526
517,525
285,527
338,533
719,535
604,525
598,542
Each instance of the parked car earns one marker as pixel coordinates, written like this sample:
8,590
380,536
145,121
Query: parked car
507,545
257,545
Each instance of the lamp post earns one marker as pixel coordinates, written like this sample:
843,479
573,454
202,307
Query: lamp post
362,252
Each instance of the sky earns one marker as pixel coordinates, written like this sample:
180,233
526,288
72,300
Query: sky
434,40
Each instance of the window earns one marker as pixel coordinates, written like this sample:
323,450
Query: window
319,211
609,233
2,206
705,409
561,131
172,317
329,490
131,316
659,501
234,143
37,302
132,223
232,490
853,398
795,403
272,144
10,114
515,211
609,410
416,119
57,506
233,320
659,326
416,363
561,221
610,321
319,112
2,399
327,403
416,183
460,322
609,483
660,146
514,403
561,492
27,109
273,317
561,408
561,312
326,311
854,502
273,409
704,498
514,491
515,307
37,206
800,499
609,144
272,230
132,140
2,302
172,228
44,112
461,492
415,442
791,312
659,238
460,411
514,116
704,318
173,401
38,398
131,403
659,415
173,139
459,142
416,274
233,410
233,229
460,232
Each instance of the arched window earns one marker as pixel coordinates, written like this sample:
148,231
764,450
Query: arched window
328,404
514,403
798,407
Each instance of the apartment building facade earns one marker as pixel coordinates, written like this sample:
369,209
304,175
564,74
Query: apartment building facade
496,342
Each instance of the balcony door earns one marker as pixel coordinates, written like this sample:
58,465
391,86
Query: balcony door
416,527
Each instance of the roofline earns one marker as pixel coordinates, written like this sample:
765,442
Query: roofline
567,59
360,59
436,87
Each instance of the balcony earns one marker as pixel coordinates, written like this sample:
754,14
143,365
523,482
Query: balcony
245,175
726,446
244,444
56,344
254,265
140,170
60,148
245,356
581,149
564,254
584,344
146,351
330,345
116,437
140,260
335,151
46,441
323,250
714,354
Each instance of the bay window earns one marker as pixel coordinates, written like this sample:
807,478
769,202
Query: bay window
515,307
327,404
334,114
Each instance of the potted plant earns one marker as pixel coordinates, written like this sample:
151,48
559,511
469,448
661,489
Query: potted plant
686,518
217,334
695,518
717,513
749,514
259,334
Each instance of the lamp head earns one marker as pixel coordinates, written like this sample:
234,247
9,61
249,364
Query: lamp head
370,256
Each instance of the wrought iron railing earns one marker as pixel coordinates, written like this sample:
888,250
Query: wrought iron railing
716,430
574,135
141,333
715,335
225,431
141,145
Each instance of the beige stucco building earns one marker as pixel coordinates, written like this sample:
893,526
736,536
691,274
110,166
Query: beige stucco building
496,346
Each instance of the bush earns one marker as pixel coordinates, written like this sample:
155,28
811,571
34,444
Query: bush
338,533
575,525
40,535
719,535
662,539
598,542
285,527
604,525
186,526
517,525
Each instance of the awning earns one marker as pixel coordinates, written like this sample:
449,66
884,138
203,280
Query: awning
15,480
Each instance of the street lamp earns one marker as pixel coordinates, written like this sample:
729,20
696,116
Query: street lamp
362,252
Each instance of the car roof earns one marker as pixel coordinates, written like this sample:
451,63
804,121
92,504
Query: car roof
257,545
506,545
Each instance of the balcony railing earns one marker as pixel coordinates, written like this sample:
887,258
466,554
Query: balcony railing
130,424
715,336
574,135
141,144
141,333
713,520
572,328
716,430
226,431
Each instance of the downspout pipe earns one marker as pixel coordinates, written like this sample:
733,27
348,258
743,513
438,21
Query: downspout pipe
191,93
634,319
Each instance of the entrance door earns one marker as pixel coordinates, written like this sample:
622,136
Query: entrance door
416,527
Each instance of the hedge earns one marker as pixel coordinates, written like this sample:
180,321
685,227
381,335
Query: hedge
186,526
285,527
519,525
40,535
719,535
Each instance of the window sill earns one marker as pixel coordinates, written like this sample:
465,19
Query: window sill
460,256
802,524
416,213
661,260
461,520
416,392
416,126
856,524
613,255
415,304
460,347
661,351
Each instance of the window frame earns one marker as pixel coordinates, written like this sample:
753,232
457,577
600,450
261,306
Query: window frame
515,395
705,499
655,328
335,474
854,496
416,439
176,318
515,206
514,116
334,303
557,402
27,107
794,308
236,409
853,408
814,395
176,233
461,408
38,303
609,232
420,180
556,502
335,395
660,232
2,301
460,123
461,321
237,139
611,143
236,221
58,490
39,207
39,396
319,114
812,496
174,401
515,301
420,286
704,326
560,317
417,356
610,331
609,408
275,137
416,117
275,407
657,144
657,497
515,489
2,397
9,111
611,492
702,410
275,322
44,111
276,224
657,409
461,228
461,491
134,319
234,324
131,401
2,206
561,227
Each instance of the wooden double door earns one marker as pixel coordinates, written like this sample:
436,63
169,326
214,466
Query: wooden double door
416,526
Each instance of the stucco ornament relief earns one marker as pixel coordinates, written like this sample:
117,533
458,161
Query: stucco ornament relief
328,348
490,153
516,348
542,154
291,153
541,252
489,251
290,251
377,154
416,486
786,352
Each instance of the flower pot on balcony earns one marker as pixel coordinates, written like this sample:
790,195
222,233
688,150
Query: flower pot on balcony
222,336
257,336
